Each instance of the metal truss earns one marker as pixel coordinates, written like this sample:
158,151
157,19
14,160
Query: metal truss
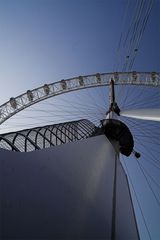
47,136
17,104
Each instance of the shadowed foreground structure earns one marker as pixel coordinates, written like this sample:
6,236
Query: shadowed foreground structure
51,135
66,192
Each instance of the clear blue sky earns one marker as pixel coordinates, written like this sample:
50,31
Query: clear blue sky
42,41
47,40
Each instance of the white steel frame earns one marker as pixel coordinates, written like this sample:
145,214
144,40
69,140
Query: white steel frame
17,104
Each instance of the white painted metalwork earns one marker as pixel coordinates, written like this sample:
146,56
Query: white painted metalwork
143,114
17,104
50,135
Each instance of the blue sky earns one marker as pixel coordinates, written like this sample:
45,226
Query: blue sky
42,41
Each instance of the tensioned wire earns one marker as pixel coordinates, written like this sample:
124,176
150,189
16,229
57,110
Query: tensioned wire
147,177
70,109
137,200
130,40
95,108
150,176
144,129
92,110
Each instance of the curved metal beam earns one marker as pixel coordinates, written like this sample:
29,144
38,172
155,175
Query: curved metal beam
40,136
17,104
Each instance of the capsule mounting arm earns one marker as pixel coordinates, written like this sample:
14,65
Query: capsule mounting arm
113,105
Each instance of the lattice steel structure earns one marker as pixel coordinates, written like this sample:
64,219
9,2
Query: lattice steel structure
46,136
17,104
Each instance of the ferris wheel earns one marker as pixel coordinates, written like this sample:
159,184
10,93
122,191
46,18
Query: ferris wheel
93,104
129,100
96,110
125,83
31,97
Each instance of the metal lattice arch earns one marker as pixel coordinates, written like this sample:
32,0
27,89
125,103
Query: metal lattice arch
50,135
17,104
93,166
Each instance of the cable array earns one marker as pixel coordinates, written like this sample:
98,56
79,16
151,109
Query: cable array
132,34
92,104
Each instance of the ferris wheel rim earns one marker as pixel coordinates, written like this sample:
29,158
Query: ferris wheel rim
31,97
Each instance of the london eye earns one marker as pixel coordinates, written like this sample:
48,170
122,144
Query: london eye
123,106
